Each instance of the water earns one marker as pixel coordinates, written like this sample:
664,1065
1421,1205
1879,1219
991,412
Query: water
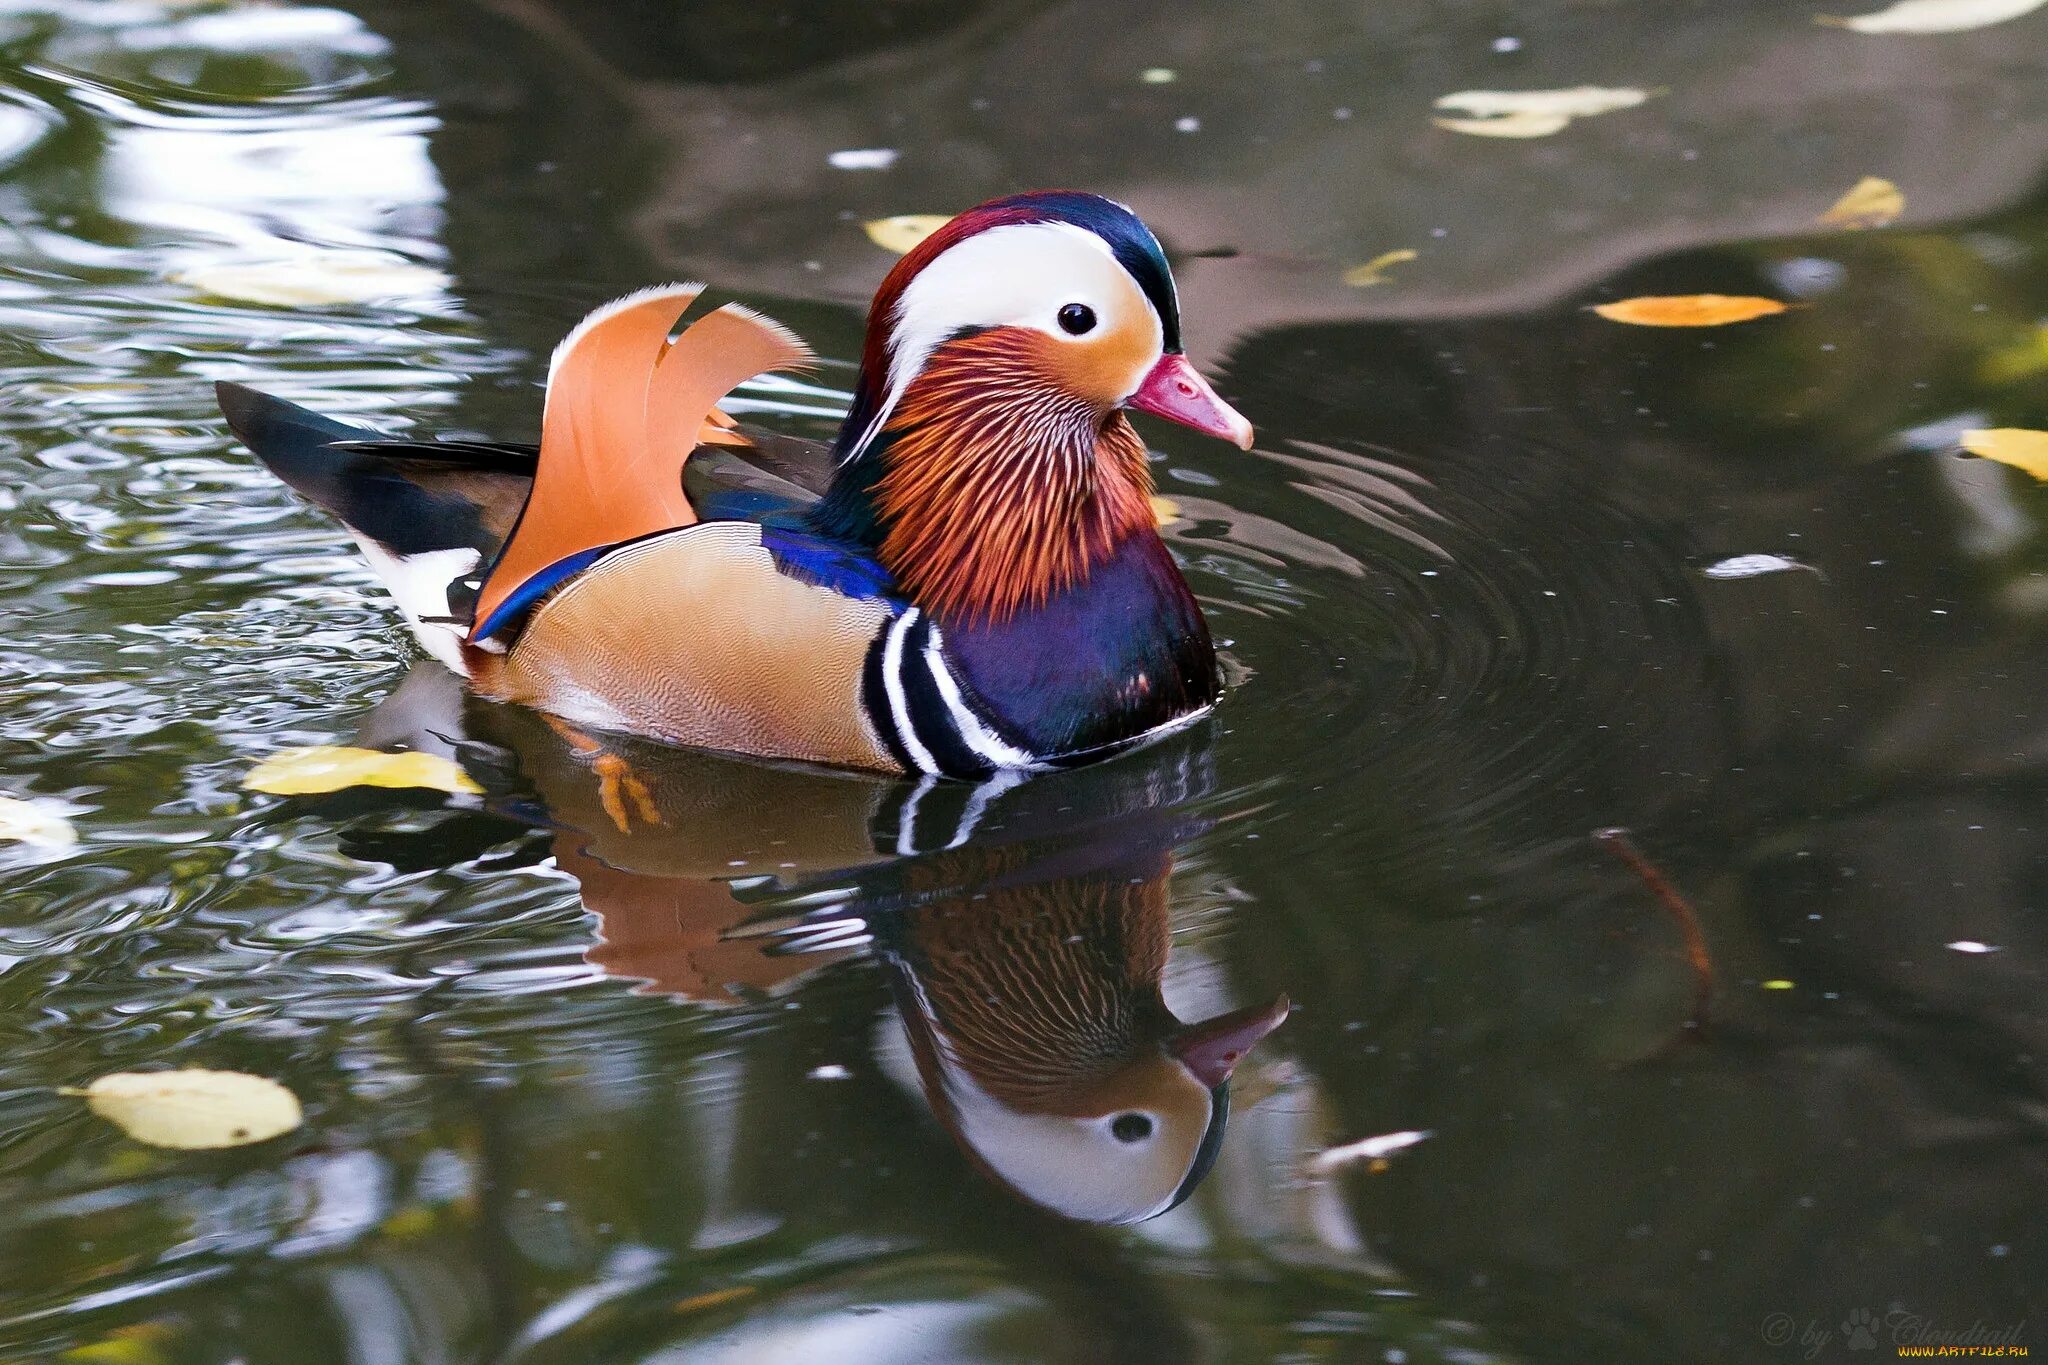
1485,591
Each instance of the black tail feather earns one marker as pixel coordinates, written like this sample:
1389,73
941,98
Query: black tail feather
377,488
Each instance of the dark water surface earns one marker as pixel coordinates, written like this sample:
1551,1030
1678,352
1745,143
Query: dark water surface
1469,584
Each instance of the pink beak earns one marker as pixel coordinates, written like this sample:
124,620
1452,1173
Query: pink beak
1174,391
1214,1047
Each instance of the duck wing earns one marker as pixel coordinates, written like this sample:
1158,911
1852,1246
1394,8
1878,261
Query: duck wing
465,530
626,406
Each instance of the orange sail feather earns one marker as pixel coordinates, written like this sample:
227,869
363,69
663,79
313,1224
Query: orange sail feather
625,407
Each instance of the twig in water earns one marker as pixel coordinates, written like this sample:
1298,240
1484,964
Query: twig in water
1616,841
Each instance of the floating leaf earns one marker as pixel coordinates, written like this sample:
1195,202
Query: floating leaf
1532,113
315,279
2016,446
1374,271
29,822
1365,1149
332,767
1164,510
194,1108
1776,983
1754,566
1507,125
863,159
1580,101
904,231
1935,16
1873,202
1688,310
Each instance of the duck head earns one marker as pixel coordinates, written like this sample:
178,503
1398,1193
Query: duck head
987,457
1041,1040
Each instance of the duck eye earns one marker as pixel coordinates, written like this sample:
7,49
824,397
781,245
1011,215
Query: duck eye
1077,318
1131,1128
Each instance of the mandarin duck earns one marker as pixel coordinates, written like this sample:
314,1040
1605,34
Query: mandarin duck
977,585
1034,1019
1023,922
1027,987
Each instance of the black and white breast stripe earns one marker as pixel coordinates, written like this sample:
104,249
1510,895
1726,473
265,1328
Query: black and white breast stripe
922,714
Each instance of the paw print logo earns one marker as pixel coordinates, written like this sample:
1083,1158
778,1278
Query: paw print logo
1860,1327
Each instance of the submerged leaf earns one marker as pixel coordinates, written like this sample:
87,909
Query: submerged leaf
1688,310
904,231
2016,446
138,1343
316,278
194,1108
1375,270
28,822
332,767
1935,16
1873,202
2021,360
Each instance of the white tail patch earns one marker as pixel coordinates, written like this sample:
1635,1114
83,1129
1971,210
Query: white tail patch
419,584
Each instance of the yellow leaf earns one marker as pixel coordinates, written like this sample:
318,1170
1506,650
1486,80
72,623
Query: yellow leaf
904,231
332,767
1508,125
1374,271
1871,203
1532,113
315,279
30,823
1935,16
1164,510
1777,984
194,1108
1688,310
2016,446
1581,101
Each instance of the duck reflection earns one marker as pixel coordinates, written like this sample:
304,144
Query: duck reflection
1023,924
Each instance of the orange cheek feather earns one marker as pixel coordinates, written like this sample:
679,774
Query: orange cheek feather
1107,368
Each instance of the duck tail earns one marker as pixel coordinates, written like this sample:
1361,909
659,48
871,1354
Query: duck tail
424,516
625,407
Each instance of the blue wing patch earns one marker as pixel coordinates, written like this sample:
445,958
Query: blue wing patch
533,589
827,563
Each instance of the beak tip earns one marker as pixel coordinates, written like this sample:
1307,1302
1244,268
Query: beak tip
1173,390
1212,1050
